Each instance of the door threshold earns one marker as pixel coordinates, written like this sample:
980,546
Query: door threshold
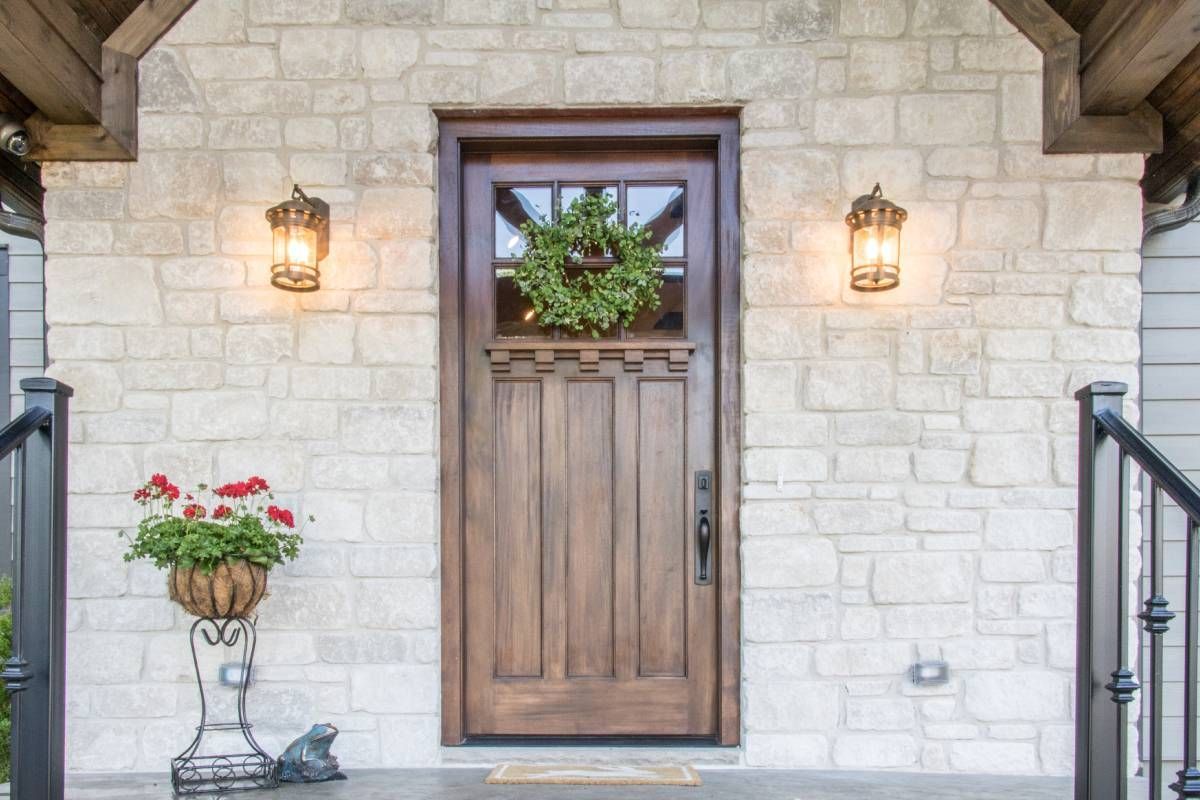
590,741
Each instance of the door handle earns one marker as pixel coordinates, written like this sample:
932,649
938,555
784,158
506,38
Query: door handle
703,527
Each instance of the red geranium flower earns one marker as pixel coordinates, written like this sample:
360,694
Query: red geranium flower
281,515
194,511
222,511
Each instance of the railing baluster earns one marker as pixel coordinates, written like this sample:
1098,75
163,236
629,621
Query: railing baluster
1188,785
1156,616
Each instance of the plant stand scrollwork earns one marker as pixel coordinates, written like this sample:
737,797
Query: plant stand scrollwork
195,773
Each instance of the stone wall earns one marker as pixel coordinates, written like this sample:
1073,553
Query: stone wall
909,455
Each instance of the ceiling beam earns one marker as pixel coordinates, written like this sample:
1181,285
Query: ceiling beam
1129,50
110,134
62,81
1065,127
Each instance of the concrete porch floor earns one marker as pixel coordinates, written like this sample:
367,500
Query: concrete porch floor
719,784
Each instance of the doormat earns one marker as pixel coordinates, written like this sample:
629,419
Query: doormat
581,775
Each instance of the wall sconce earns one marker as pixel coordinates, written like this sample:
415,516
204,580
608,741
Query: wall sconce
300,239
875,242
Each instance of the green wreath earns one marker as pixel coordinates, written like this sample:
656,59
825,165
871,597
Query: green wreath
596,299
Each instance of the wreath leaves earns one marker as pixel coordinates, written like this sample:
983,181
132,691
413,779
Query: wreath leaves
596,299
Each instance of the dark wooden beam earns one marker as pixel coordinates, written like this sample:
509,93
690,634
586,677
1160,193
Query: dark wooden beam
1065,128
1131,49
145,25
46,66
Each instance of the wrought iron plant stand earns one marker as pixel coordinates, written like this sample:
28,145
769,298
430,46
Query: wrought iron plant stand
195,773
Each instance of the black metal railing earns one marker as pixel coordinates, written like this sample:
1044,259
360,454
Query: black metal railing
35,675
1105,683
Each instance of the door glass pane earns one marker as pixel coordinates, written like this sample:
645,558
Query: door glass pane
514,206
659,208
666,320
514,313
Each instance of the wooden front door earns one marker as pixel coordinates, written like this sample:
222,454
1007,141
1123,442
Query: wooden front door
588,464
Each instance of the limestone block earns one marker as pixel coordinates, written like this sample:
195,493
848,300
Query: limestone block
947,118
105,659
1057,749
396,604
951,18
402,128
922,578
887,66
326,339
404,383
785,707
1000,223
395,214
899,171
94,745
792,184
291,12
877,428
489,12
787,750
95,568
786,430
1040,529
1020,101
1106,301
231,63
955,352
665,14
399,428
397,340
876,18
853,120
609,79
787,562
1003,416
409,741
939,466
1026,380
387,53
880,714
197,415
210,22
258,344
771,74
980,653
330,383
1009,460
788,616
940,520
164,84
781,333
523,78
847,386
928,394
392,12
394,689
928,622
769,386
770,465
85,343
178,185
97,386
1092,215
106,290
872,465
1025,696
993,758
857,517
861,659
104,469
402,516
692,77
798,20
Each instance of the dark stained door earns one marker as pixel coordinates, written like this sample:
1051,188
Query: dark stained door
583,612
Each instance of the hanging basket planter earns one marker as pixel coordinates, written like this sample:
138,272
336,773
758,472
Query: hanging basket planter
232,590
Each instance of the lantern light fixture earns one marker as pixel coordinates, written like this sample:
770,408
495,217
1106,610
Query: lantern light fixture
299,240
875,224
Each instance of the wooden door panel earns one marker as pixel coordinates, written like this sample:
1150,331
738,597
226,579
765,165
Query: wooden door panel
582,614
589,530
662,528
518,528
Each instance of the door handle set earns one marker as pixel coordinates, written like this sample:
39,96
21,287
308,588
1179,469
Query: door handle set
704,526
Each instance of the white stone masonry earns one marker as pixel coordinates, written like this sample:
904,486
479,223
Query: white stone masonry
909,456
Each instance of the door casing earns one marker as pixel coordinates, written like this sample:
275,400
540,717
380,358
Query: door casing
460,133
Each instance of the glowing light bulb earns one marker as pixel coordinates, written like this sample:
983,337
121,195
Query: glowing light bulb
297,251
529,315
872,249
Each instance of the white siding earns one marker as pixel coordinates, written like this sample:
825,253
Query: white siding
1171,419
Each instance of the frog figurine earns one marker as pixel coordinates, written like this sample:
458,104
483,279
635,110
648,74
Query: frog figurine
308,760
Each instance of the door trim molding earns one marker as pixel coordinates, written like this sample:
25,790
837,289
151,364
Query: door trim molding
716,130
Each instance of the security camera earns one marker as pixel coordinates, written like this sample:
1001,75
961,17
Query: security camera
13,136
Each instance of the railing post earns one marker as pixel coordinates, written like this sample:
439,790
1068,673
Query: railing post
1100,715
39,600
